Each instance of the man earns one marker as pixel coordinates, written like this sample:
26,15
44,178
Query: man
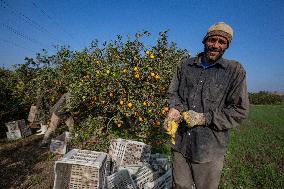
207,96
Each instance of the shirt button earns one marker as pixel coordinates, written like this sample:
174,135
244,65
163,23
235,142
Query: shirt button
201,81
193,106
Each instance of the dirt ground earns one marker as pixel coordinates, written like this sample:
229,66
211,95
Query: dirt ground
25,165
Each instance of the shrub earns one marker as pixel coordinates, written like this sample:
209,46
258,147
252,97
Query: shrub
118,89
264,97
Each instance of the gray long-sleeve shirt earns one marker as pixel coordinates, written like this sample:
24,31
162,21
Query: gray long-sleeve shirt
220,93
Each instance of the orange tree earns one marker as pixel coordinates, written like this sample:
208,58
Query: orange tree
118,89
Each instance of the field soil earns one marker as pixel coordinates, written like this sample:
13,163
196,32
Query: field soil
25,165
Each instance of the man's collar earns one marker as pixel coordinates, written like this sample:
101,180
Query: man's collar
197,61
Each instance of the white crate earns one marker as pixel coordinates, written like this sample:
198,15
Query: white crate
144,175
81,169
120,180
19,125
163,182
128,152
32,114
14,135
58,145
12,126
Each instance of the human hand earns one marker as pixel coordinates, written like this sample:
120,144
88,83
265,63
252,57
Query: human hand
193,118
174,114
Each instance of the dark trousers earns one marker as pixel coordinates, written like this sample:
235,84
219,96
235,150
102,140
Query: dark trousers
189,175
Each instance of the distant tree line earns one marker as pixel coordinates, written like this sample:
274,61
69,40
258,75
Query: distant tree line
265,97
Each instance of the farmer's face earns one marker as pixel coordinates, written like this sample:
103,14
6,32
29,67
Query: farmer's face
214,48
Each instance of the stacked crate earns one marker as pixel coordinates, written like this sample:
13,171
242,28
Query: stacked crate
17,129
144,175
129,165
82,169
120,180
127,152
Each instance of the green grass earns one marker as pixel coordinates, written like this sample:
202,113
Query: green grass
255,155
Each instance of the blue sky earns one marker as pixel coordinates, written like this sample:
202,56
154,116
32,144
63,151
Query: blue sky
28,26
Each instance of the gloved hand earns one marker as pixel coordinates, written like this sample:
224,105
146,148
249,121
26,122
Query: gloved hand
171,123
193,118
171,126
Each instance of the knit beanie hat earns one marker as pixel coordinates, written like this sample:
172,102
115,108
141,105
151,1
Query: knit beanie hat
221,29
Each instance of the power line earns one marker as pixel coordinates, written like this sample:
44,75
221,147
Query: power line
51,19
27,19
22,35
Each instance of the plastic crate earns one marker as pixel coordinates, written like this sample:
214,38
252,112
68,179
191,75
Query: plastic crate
32,114
59,144
14,135
144,175
128,152
81,169
120,180
160,162
12,126
19,125
163,182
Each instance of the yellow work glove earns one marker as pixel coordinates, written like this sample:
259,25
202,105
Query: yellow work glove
193,118
171,126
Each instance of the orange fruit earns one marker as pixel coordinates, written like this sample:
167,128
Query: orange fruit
152,74
157,77
130,105
136,76
124,70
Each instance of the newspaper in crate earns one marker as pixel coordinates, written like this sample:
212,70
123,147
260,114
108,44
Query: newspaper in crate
81,169
128,152
132,169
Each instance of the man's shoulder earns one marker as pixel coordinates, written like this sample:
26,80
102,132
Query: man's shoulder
233,65
187,60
